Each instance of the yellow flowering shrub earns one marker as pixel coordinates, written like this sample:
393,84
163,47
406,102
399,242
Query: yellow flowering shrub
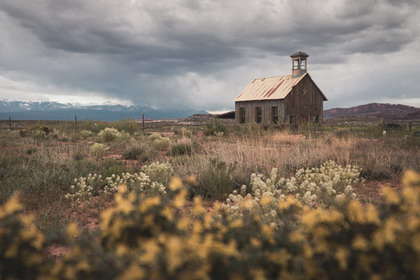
21,244
358,241
169,237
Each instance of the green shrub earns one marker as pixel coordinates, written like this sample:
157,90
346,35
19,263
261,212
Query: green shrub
216,181
24,133
215,127
31,151
134,153
181,149
140,152
161,143
377,173
130,126
110,134
79,155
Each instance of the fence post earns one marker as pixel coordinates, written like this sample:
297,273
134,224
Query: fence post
75,123
142,122
10,121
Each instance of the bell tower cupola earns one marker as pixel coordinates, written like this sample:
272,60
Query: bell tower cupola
299,63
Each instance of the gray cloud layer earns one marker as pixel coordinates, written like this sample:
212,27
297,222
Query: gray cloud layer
201,53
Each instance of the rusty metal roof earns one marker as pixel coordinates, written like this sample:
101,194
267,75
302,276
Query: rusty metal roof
269,88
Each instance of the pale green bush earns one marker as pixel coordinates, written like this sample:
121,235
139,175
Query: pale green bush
154,136
110,134
98,150
316,187
161,143
152,179
86,133
159,172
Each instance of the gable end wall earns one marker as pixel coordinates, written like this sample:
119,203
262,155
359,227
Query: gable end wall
305,102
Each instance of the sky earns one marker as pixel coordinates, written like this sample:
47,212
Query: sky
201,54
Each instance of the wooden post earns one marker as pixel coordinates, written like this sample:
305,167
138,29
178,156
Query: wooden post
10,121
142,121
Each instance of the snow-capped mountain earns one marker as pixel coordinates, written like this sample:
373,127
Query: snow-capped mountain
21,110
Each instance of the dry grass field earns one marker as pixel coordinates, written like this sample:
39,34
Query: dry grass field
67,174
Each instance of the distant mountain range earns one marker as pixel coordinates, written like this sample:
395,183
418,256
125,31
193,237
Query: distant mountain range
20,110
375,110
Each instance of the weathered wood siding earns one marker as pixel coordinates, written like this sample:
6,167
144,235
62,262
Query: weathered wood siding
265,105
304,103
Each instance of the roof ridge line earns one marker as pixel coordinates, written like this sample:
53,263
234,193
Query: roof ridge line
278,76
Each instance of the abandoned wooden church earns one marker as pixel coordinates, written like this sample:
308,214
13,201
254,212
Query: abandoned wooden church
283,100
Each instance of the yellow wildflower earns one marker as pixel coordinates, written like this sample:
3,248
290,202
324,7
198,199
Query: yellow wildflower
198,208
247,203
391,227
255,242
360,243
356,212
134,272
122,189
289,202
265,200
192,179
168,213
236,223
411,178
390,195
258,274
12,205
371,214
183,223
296,236
310,218
175,183
281,257
341,255
179,200
174,250
72,230
122,250
151,249
149,203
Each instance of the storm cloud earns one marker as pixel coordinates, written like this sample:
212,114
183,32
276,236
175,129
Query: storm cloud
188,53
